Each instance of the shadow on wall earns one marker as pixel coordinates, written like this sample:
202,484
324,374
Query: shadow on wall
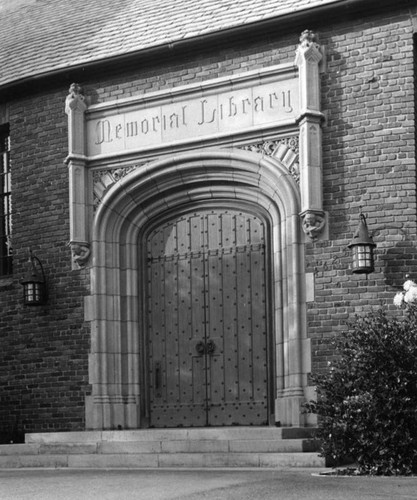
396,255
10,435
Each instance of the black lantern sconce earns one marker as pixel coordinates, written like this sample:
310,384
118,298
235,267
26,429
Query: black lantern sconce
362,246
34,283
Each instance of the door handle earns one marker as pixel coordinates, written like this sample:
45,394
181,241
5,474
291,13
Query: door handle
205,348
200,348
158,378
210,347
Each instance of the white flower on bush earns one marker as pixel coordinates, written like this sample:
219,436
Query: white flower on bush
408,296
411,295
399,299
409,284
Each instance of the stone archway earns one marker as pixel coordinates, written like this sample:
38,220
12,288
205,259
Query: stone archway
162,187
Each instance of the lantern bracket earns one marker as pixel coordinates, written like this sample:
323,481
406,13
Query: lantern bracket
34,282
362,246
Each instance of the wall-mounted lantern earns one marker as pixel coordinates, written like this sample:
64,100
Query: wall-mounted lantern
362,246
34,283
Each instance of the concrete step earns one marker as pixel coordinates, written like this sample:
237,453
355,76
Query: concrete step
200,433
208,447
175,446
156,460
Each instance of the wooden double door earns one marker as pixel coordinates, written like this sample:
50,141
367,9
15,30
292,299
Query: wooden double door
206,309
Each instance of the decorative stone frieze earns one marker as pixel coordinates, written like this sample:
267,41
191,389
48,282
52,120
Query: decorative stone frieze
285,149
103,179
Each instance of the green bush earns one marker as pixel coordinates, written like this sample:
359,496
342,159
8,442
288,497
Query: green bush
367,402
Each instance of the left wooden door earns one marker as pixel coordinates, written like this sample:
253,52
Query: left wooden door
176,322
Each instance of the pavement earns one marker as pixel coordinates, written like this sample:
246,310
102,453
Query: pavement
196,484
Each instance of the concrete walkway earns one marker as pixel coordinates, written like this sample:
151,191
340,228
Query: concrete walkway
236,484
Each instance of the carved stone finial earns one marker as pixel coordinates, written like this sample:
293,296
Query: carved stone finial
75,98
80,253
309,48
76,89
308,37
313,223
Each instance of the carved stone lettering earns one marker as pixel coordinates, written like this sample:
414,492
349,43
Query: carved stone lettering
223,112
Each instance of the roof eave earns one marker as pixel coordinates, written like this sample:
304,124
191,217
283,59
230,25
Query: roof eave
287,22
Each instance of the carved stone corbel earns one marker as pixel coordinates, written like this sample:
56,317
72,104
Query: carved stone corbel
313,223
80,253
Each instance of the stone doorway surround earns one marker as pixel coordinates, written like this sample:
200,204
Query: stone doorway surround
163,186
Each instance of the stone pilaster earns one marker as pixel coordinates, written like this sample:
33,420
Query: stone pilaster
308,58
75,108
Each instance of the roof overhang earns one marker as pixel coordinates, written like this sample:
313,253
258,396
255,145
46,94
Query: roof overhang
289,22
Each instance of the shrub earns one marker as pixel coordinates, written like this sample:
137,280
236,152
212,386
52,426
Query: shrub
367,402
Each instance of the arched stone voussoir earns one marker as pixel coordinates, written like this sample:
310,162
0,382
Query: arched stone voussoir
162,178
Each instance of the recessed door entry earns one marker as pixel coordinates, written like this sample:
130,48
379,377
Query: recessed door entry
206,320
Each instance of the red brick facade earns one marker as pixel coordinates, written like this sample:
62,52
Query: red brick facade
367,91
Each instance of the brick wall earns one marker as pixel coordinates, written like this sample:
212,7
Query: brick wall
43,364
369,162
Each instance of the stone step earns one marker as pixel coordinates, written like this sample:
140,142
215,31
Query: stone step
164,446
206,433
203,447
209,446
156,460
